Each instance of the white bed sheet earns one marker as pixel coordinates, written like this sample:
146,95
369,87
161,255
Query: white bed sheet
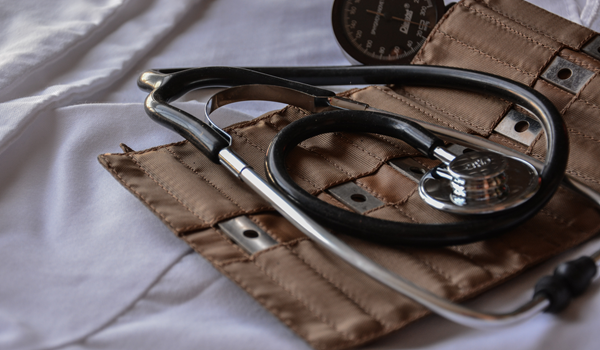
83,264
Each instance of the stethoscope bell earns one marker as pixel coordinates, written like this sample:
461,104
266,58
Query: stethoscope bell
479,182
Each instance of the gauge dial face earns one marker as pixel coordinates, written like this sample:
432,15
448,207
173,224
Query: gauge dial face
384,31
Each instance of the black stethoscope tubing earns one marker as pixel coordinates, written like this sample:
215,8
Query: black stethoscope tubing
552,293
476,228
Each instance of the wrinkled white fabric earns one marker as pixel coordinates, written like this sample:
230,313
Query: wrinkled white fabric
95,51
589,13
83,263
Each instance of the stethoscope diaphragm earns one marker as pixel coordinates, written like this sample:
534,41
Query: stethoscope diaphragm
479,182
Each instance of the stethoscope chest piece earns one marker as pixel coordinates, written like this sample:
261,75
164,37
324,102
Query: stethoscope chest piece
479,182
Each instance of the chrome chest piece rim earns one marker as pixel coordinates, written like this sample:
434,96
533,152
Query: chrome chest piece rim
479,183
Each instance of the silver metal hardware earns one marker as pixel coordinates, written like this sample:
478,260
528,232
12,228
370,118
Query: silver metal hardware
355,197
231,162
567,75
519,127
246,234
479,183
444,155
457,149
409,168
593,48
346,103
478,177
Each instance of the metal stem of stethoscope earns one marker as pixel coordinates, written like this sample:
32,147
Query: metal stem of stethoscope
194,130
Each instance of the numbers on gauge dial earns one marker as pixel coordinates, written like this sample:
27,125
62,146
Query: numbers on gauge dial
387,29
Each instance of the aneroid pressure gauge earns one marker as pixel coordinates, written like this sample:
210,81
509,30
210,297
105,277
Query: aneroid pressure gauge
379,32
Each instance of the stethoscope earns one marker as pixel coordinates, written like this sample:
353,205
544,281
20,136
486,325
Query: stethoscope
479,184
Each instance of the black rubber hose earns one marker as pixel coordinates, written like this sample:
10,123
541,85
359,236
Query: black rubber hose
350,121
179,82
477,227
365,227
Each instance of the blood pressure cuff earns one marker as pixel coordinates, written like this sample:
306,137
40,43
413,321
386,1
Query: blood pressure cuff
313,292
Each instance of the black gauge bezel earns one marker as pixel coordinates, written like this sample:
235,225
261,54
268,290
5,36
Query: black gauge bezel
337,21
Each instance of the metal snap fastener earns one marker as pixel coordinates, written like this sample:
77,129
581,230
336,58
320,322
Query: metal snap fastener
567,75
